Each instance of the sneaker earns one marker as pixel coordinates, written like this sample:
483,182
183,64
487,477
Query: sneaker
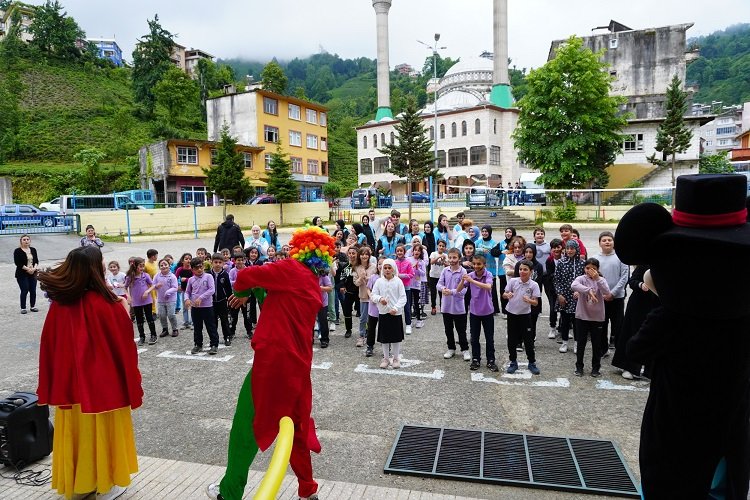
196,349
449,353
24,311
578,372
34,310
512,367
564,347
348,334
396,363
408,329
368,352
434,311
164,333
419,323
187,326
552,334
492,367
311,497
606,354
533,369
474,365
360,342
467,355
175,333
142,341
212,492
323,344
152,339
627,375
595,373
213,350
316,327
337,321
114,492
332,326
227,342
519,348
384,364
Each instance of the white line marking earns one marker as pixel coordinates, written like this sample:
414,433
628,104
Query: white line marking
523,373
142,350
559,382
435,375
611,386
325,365
200,357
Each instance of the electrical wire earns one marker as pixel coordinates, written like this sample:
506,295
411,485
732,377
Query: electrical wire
28,477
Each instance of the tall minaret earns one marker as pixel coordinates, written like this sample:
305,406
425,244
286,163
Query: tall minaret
501,92
384,83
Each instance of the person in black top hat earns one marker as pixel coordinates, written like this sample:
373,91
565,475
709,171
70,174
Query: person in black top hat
696,424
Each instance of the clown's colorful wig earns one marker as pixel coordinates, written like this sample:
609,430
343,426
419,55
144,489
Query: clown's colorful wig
313,247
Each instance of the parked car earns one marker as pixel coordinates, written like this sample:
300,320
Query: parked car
26,215
420,197
262,199
51,206
485,196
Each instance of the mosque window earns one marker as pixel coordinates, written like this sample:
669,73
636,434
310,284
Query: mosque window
375,140
494,155
453,129
478,155
393,138
364,142
458,157
381,165
463,128
432,133
477,126
441,159
442,131
382,139
494,126
365,166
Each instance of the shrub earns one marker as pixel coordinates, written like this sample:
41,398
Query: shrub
567,213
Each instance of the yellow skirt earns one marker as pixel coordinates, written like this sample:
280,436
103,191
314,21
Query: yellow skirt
92,451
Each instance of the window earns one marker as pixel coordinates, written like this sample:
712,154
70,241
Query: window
494,155
365,166
312,141
324,168
187,155
323,119
432,133
268,161
441,159
457,157
463,128
442,131
393,137
453,129
494,126
710,132
294,112
725,120
323,144
271,134
375,140
723,142
312,116
296,164
295,138
478,155
364,142
725,130
247,159
633,142
312,167
382,139
213,156
381,165
477,126
270,106
709,143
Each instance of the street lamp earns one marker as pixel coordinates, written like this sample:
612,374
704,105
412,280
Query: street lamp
434,49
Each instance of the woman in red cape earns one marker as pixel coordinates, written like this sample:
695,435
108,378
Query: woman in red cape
88,370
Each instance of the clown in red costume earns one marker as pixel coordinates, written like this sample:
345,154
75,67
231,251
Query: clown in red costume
278,384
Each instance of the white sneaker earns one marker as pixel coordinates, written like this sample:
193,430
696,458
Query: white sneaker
575,348
115,492
552,334
408,329
449,353
627,375
564,347
467,355
384,364
212,491
331,326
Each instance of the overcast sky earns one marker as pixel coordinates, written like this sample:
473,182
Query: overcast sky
290,28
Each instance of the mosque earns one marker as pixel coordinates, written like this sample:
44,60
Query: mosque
471,121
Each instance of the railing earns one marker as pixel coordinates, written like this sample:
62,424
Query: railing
273,477
40,223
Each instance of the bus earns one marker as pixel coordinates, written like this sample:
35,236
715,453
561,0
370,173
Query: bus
142,197
71,203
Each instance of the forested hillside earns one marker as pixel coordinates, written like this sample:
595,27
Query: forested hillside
723,69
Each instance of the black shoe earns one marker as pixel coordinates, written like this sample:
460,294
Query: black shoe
492,367
164,333
323,344
595,373
474,365
579,372
227,341
196,349
152,339
348,334
213,350
142,341
368,352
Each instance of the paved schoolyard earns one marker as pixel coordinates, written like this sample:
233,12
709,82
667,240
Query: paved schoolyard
189,400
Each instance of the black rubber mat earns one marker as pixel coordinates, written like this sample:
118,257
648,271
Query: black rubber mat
549,462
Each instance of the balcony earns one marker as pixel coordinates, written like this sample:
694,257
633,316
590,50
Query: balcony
740,154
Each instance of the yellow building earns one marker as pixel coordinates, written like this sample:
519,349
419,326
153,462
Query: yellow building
261,119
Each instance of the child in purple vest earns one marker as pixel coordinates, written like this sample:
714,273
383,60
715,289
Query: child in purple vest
452,305
481,312
199,296
139,286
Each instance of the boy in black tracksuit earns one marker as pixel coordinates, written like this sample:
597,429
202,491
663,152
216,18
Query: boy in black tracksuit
347,290
223,290
548,280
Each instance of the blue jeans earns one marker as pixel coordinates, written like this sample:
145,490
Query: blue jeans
165,310
364,306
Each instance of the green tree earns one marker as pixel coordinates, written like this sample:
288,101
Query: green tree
673,136
55,33
177,94
150,63
715,164
227,177
569,126
332,190
281,184
411,154
273,78
92,179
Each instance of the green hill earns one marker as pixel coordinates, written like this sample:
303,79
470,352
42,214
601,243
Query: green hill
722,70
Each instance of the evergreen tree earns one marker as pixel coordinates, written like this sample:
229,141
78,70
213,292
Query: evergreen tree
281,184
273,78
177,95
569,126
411,154
227,177
673,136
151,62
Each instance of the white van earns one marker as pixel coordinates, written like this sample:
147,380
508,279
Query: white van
532,191
482,196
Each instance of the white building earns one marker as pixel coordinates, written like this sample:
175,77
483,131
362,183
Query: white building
720,134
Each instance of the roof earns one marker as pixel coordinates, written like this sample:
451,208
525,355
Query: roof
288,98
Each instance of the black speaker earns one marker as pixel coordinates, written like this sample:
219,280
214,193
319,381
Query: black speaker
25,430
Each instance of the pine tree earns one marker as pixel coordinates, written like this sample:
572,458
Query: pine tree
411,154
227,177
673,136
281,184
151,62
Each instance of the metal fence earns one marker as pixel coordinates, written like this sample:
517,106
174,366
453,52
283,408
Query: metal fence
22,224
